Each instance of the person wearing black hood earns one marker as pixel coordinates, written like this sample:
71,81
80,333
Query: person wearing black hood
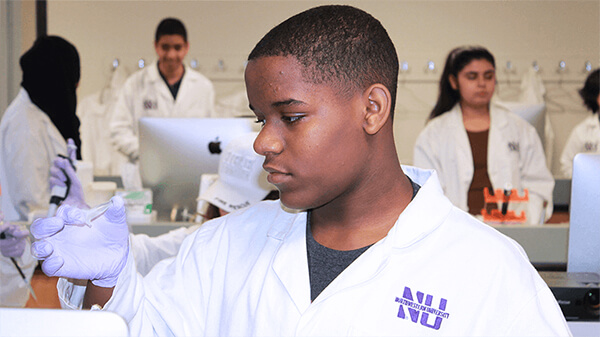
36,125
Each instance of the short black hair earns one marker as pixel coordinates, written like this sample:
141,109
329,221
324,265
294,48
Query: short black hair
591,90
339,45
170,26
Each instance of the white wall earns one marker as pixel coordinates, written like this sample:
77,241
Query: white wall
518,31
10,48
17,33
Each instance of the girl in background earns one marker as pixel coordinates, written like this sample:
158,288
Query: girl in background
474,143
585,137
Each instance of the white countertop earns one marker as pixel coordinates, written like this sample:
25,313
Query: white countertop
545,245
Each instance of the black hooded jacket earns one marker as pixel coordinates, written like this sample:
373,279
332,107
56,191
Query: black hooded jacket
51,73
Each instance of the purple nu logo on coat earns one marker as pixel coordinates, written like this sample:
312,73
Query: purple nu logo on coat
150,105
590,147
423,306
513,146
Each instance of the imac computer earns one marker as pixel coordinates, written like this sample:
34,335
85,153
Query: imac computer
578,290
535,114
175,152
584,221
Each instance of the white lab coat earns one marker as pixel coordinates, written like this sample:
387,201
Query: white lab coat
585,137
246,274
13,290
29,142
515,156
145,94
148,251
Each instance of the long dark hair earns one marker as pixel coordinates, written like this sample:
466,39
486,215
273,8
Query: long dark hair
51,72
457,59
590,91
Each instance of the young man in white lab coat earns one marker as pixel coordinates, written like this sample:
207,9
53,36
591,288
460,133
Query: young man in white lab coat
165,88
371,248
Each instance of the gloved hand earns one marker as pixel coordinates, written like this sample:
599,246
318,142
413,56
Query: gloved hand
13,240
72,249
61,170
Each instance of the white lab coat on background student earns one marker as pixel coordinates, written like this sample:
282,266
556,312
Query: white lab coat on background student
29,142
13,290
515,156
145,94
246,274
585,137
148,251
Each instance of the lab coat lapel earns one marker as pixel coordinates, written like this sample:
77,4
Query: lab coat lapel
291,263
425,213
499,168
161,89
464,156
184,87
413,224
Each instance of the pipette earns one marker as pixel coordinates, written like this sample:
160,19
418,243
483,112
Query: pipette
3,236
507,193
59,193
96,212
505,203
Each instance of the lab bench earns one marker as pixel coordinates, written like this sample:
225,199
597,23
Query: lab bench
546,246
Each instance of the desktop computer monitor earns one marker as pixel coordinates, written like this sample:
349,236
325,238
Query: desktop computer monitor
584,221
535,114
175,152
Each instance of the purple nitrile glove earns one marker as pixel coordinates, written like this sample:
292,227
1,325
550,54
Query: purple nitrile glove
61,170
12,240
95,251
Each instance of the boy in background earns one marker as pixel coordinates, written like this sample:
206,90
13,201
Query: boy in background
165,88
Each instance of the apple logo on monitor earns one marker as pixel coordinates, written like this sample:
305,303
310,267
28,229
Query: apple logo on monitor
214,147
